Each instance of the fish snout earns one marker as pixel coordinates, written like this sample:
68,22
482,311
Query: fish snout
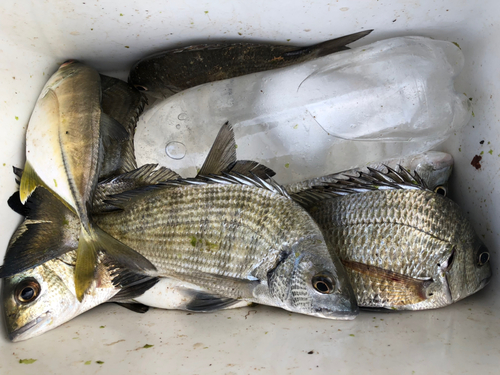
68,62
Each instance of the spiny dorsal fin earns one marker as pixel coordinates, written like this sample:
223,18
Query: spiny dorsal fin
121,200
238,179
124,103
249,168
362,183
141,177
222,154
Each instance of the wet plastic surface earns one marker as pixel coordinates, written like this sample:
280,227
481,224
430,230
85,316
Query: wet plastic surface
382,100
460,339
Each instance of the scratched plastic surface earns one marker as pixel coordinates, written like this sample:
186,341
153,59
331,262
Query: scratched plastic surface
387,99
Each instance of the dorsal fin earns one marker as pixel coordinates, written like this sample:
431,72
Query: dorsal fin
141,177
249,168
362,183
222,154
120,201
125,104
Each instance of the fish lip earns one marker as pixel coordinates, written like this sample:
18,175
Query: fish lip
17,334
483,283
347,314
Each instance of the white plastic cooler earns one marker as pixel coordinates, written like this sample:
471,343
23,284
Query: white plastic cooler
36,36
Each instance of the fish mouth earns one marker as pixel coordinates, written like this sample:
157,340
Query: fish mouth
483,283
19,334
346,311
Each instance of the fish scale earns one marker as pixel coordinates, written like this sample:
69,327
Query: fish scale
396,245
230,230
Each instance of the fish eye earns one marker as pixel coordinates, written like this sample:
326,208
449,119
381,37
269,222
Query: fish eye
141,88
27,290
483,256
441,190
323,284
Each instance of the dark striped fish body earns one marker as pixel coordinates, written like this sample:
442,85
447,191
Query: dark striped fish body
404,249
237,241
166,73
125,104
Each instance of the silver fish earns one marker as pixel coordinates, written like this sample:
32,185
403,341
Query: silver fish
64,143
296,273
404,246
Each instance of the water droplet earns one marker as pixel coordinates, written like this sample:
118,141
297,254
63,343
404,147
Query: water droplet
175,150
178,126
182,116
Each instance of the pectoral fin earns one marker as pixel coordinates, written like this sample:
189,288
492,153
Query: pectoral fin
120,254
397,288
86,260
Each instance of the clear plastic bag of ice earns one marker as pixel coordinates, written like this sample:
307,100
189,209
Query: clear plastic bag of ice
389,99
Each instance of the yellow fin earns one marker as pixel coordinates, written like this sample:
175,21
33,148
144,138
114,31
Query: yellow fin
86,260
29,182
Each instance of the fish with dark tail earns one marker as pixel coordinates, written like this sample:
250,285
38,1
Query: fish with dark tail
66,134
166,73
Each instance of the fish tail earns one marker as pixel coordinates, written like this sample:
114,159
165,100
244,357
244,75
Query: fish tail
86,260
332,45
29,182
123,258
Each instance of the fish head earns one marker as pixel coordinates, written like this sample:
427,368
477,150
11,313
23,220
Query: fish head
307,281
467,267
434,168
39,299
42,298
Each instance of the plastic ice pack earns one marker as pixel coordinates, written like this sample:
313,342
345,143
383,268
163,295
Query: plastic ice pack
389,99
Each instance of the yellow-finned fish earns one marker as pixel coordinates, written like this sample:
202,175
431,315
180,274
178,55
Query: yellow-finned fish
64,143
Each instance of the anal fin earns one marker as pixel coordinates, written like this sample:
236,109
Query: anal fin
205,302
135,307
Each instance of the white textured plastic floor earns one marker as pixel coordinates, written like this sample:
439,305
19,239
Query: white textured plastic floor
464,338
